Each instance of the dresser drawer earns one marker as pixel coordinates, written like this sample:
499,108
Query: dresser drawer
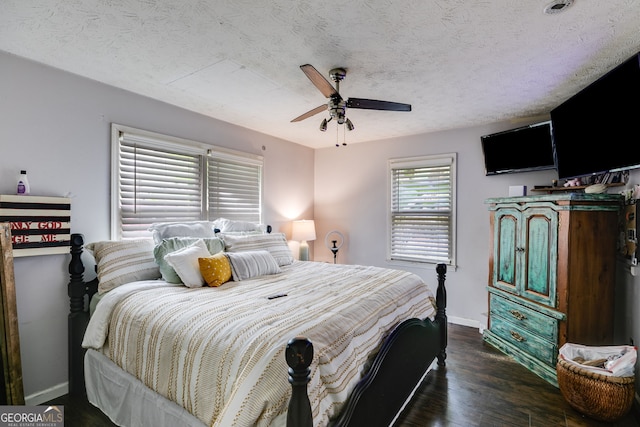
524,340
524,318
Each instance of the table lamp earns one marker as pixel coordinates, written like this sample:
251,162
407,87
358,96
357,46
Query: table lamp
302,231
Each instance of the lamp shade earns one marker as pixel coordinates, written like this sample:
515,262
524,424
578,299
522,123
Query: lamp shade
303,230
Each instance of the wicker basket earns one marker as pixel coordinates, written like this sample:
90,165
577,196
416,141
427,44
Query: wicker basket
602,397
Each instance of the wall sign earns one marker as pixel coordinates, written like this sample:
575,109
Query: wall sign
39,225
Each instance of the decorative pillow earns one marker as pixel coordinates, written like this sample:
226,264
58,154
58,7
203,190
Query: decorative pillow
185,262
215,269
124,261
232,226
165,230
245,265
275,243
172,244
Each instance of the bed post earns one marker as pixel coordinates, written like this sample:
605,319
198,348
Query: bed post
78,317
441,312
299,355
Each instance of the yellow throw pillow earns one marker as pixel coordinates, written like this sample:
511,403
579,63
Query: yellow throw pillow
215,269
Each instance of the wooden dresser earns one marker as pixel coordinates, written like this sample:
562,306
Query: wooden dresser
552,269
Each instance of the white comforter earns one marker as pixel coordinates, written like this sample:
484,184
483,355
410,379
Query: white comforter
219,352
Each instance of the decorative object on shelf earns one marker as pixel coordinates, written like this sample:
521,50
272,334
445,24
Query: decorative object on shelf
303,231
574,189
596,188
575,182
607,179
334,241
23,184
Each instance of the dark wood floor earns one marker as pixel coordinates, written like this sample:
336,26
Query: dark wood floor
482,387
479,387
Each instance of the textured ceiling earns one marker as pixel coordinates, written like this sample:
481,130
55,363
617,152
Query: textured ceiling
458,62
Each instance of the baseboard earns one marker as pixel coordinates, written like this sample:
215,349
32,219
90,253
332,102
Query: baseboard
47,395
465,322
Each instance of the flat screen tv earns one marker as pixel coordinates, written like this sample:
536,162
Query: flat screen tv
598,129
523,149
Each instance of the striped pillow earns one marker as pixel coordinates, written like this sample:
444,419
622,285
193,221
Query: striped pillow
125,261
248,264
275,244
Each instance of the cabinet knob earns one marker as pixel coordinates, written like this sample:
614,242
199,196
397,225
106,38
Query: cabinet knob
517,314
516,336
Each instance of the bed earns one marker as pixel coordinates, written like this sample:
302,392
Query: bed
306,343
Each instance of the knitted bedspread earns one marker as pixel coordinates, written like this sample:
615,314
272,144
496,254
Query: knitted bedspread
219,352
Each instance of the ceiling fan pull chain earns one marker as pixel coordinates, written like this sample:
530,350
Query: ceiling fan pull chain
344,135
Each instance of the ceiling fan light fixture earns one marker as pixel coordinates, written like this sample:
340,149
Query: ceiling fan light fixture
323,125
350,125
557,6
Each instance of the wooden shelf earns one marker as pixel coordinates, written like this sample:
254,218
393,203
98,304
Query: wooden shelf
574,188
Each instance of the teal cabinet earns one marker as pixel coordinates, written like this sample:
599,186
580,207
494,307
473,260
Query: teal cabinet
551,275
527,241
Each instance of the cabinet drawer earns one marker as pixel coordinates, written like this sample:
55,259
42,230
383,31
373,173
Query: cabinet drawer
524,318
542,350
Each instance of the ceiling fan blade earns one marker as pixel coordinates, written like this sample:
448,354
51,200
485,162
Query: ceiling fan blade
319,81
313,112
372,104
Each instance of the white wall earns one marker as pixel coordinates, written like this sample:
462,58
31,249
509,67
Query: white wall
57,126
351,196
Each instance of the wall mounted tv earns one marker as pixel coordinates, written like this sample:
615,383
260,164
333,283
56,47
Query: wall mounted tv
598,129
523,149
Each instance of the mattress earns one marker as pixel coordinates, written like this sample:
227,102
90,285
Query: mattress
218,353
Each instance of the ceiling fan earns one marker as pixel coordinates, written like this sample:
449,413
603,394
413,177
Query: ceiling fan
337,105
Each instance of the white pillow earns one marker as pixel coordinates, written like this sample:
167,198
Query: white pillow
185,262
233,226
166,230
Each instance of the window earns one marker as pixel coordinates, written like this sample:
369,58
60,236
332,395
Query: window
157,178
422,209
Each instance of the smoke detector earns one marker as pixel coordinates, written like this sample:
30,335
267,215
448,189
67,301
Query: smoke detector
557,6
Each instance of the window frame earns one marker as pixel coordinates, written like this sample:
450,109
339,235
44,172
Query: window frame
423,162
178,145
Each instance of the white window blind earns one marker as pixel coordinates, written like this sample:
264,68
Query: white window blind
158,178
235,187
422,211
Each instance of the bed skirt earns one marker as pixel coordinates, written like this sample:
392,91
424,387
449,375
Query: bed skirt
126,400
129,403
